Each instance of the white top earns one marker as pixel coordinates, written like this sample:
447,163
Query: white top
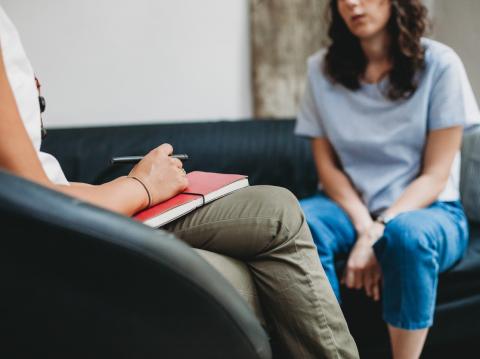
22,81
379,142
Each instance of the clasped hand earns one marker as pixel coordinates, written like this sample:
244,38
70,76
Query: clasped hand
363,269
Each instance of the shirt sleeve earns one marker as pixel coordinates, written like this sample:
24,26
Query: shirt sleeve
309,121
452,99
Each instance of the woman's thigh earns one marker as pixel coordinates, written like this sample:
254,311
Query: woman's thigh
243,224
439,231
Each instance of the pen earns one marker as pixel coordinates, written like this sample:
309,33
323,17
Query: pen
136,159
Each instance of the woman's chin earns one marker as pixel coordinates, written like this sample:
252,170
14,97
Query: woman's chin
364,32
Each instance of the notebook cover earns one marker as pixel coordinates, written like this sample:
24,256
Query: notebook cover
202,183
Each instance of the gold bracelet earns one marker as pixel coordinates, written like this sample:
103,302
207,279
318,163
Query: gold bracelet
146,189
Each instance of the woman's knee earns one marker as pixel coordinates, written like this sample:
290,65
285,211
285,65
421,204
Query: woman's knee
280,209
404,239
319,204
281,204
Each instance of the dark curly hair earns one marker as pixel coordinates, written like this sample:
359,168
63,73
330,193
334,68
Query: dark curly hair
345,61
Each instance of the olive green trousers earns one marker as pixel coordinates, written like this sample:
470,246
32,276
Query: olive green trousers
264,227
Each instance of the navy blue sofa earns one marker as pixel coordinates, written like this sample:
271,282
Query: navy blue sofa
269,153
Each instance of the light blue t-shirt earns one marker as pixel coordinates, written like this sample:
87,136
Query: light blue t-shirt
379,142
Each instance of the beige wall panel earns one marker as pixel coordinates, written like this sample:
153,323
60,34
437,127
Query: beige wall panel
456,24
284,34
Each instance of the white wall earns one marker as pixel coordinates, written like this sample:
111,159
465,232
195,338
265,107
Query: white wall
123,61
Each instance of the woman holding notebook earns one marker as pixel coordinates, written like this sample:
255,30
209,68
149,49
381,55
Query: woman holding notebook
262,226
385,109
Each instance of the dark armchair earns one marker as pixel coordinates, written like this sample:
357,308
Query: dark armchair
81,282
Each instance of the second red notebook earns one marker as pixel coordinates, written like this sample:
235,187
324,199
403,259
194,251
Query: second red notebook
204,187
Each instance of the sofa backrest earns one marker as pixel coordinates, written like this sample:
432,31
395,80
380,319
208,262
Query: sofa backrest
265,150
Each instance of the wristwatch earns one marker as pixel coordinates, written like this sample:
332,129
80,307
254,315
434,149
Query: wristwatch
385,218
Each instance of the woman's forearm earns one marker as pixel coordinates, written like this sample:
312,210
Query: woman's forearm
122,195
440,151
338,187
419,194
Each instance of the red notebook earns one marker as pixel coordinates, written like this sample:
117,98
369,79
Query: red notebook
204,187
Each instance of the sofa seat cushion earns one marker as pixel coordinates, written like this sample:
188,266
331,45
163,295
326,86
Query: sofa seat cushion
463,280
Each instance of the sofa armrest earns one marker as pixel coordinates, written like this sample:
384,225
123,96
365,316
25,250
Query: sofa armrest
470,176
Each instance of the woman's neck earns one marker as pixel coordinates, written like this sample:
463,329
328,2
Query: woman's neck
376,50
376,47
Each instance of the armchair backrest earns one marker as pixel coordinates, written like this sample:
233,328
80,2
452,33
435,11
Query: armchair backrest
81,282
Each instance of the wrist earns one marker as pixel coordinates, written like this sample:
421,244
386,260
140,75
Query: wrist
362,227
142,192
361,218
370,237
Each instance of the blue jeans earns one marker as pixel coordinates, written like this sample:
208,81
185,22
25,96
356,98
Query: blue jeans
415,248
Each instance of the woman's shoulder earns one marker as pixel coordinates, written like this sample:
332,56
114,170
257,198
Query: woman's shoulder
439,57
315,65
317,58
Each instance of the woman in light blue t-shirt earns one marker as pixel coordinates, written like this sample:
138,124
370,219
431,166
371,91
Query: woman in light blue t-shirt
386,110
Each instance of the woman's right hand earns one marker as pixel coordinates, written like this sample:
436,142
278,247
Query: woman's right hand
363,269
162,175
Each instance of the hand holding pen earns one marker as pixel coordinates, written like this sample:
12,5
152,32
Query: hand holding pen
160,173
136,159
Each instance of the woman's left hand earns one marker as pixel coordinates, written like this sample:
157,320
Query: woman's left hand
363,269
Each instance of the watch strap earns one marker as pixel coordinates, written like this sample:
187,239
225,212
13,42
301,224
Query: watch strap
385,218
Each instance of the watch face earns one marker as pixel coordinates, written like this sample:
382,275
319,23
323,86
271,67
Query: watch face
388,218
384,219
